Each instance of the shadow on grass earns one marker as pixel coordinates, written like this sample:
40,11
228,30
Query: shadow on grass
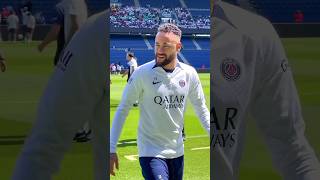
114,106
12,140
127,143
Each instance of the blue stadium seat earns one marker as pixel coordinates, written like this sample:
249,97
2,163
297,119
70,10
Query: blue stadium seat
159,4
198,58
282,11
197,4
119,44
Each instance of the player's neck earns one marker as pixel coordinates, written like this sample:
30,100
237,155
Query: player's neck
171,66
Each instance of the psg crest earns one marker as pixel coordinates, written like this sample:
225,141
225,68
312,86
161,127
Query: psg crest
182,83
230,69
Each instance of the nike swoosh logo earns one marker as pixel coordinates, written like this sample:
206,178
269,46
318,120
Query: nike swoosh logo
156,82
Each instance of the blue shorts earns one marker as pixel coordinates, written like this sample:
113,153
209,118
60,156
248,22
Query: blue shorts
162,169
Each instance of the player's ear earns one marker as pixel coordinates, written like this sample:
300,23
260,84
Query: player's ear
179,46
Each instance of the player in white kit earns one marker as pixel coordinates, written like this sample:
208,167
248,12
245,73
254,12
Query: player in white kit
251,76
76,93
162,87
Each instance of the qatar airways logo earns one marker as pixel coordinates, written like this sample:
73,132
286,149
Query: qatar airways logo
170,102
224,130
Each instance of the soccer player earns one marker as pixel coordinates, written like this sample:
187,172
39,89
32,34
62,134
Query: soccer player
76,93
56,32
132,64
69,17
162,87
251,75
13,24
3,65
30,24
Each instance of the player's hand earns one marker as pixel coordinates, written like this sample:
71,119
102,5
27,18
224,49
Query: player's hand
113,163
3,65
41,46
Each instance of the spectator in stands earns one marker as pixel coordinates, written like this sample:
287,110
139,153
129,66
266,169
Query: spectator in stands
298,16
141,17
30,24
13,24
3,66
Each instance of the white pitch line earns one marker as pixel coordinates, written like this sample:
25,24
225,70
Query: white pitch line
131,157
200,148
127,142
197,136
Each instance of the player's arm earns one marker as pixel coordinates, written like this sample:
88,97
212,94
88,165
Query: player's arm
276,108
125,73
52,35
3,65
198,101
73,15
74,25
130,95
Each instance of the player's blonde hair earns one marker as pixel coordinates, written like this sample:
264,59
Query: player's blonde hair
169,27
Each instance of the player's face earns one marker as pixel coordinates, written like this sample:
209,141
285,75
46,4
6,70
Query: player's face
167,46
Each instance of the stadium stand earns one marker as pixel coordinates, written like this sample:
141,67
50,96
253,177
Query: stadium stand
187,14
160,4
196,55
196,4
150,13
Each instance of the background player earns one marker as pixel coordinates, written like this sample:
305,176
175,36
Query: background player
132,65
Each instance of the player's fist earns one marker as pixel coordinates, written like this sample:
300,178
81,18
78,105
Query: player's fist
114,163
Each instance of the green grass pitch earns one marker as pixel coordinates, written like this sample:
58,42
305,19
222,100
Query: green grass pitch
28,72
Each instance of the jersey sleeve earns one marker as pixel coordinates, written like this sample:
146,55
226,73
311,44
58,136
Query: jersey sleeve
198,101
276,108
58,17
75,7
130,95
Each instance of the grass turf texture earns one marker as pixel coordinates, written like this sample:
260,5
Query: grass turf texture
28,71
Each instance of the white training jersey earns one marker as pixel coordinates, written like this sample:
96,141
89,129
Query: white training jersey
133,65
76,8
30,22
251,76
13,21
76,93
162,101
